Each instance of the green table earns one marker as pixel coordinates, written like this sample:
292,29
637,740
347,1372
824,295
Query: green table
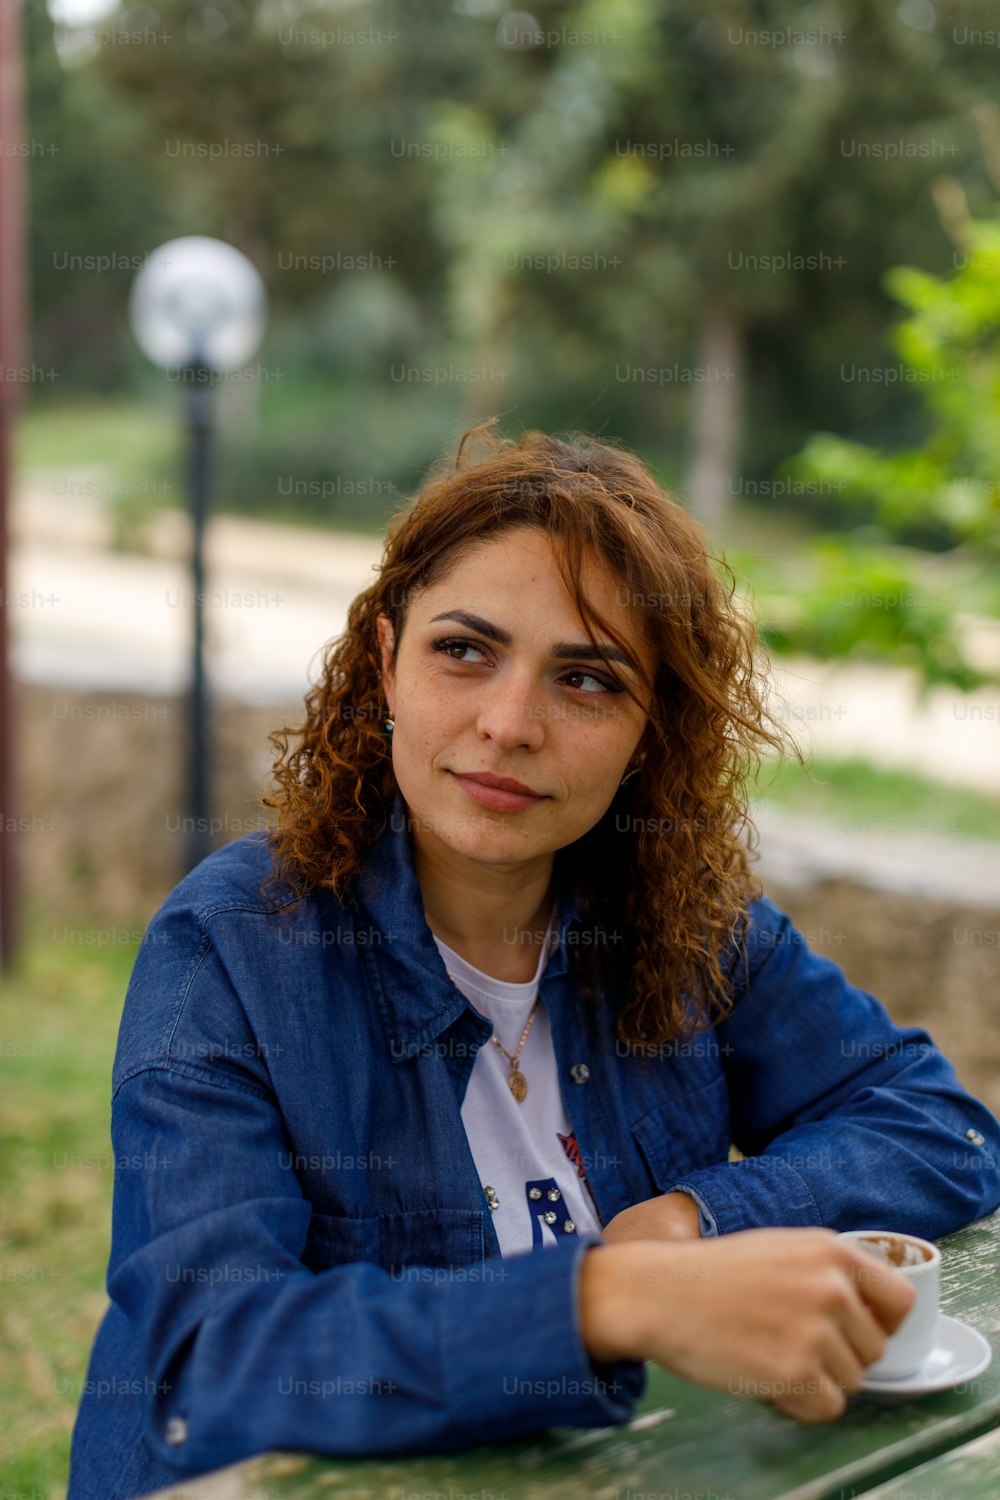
971,1472
686,1443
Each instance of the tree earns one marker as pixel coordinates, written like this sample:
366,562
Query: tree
645,218
94,212
944,488
710,155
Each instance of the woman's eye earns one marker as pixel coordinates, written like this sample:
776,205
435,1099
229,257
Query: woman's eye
602,683
447,647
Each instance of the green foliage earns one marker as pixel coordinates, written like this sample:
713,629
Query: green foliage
945,486
94,214
450,193
557,206
869,603
949,351
332,452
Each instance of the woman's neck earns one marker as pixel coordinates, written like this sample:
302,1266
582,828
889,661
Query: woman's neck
497,927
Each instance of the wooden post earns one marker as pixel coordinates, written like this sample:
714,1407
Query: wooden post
13,286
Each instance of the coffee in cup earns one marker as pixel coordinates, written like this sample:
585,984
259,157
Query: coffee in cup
919,1261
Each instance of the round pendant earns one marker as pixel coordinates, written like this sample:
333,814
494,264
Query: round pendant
518,1085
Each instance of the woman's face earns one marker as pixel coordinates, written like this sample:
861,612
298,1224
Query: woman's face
486,682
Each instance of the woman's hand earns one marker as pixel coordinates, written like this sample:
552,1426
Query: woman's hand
790,1316
672,1216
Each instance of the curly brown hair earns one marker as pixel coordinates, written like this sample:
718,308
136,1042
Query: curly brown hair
666,869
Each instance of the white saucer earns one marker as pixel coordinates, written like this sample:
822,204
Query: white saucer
959,1354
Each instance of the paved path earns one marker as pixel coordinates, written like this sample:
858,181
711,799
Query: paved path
798,850
86,616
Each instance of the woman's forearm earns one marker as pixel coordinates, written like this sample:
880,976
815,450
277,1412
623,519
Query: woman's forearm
610,1303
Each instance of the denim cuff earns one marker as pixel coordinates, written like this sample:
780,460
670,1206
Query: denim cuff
523,1366
707,1226
761,1192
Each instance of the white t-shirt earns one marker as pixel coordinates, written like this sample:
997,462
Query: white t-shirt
526,1153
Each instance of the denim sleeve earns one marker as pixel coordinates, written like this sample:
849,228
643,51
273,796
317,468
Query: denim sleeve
845,1120
246,1349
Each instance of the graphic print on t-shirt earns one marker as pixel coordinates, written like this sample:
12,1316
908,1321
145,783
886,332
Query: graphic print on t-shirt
548,1210
572,1150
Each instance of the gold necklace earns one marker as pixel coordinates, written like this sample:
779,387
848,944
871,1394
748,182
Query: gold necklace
517,1083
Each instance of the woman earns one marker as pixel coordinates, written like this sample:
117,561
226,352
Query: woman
502,982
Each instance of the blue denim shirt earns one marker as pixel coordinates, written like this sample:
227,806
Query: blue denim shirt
302,1255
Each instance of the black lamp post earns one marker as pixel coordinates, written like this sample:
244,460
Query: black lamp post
197,308
200,402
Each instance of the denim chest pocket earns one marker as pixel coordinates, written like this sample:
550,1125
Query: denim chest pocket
438,1237
685,1132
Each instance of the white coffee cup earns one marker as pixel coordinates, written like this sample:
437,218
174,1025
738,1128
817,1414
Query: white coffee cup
920,1262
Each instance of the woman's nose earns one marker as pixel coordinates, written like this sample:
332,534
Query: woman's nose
515,711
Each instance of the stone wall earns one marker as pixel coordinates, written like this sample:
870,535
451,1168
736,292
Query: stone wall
103,822
102,839
932,963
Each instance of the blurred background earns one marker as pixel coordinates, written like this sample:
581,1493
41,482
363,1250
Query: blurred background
757,242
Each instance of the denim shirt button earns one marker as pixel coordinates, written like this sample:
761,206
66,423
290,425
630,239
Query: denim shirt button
975,1137
177,1431
579,1072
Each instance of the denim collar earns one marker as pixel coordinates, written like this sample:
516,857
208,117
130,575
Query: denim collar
415,998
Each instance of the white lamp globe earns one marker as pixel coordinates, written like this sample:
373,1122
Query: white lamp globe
198,298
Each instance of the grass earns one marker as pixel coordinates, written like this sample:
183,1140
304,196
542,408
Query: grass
135,440
132,454
124,454
854,791
60,1014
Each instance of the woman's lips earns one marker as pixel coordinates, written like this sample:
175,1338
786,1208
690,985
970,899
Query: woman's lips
498,798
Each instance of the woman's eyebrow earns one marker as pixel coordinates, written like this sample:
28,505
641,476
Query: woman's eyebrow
562,650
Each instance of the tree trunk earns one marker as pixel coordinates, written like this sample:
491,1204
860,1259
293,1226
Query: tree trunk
717,417
489,383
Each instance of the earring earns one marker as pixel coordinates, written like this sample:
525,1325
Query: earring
633,772
390,725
